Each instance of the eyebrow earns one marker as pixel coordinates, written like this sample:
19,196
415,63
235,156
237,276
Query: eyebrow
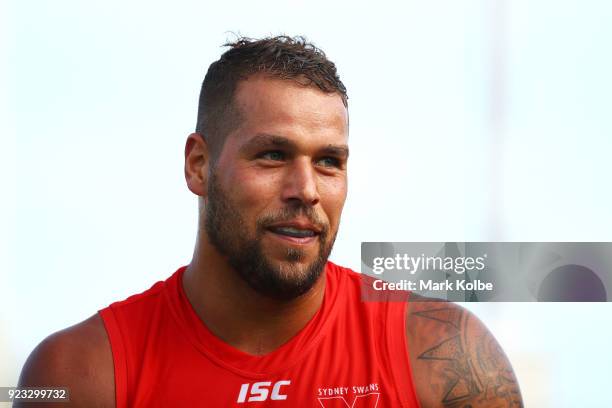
266,140
262,140
341,151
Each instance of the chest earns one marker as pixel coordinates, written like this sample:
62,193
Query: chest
337,372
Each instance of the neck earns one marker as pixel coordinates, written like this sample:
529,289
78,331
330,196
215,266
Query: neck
238,315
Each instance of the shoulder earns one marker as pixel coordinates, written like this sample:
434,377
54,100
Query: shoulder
78,358
342,276
338,269
455,359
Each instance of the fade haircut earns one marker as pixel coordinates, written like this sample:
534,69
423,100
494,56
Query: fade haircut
281,57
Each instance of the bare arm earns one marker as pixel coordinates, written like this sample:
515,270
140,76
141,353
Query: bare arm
456,361
79,358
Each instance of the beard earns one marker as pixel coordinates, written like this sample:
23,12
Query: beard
285,280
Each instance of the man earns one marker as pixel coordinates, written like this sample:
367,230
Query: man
260,317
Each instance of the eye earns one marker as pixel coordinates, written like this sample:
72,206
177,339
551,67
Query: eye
274,155
329,162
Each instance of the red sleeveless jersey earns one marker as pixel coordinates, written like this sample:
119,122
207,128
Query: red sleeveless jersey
351,354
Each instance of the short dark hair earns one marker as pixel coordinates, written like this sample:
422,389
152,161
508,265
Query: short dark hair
283,57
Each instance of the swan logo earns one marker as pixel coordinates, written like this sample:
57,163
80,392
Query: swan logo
357,396
369,400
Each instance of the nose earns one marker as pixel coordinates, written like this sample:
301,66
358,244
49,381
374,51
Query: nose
301,183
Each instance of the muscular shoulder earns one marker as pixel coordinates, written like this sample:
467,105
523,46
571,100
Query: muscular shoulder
456,362
79,358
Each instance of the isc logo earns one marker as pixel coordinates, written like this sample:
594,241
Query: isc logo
259,391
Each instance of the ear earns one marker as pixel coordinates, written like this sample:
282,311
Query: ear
197,159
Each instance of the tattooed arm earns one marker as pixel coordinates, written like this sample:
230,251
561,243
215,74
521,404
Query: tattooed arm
456,362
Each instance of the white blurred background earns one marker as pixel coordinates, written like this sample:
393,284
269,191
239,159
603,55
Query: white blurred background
471,120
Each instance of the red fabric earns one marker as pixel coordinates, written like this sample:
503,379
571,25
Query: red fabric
351,354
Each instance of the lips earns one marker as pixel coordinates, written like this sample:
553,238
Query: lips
293,232
295,229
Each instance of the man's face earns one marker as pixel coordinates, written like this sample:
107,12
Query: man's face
276,191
